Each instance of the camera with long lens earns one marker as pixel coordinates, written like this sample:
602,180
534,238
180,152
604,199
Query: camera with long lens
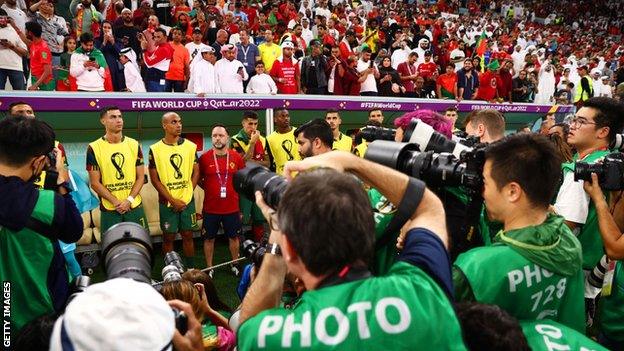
127,252
421,134
610,171
435,169
254,251
255,177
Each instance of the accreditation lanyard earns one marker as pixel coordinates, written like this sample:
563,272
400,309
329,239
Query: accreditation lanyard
222,184
245,50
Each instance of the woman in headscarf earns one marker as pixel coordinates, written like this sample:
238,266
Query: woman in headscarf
389,82
110,47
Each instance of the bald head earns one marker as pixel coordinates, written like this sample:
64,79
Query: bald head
172,124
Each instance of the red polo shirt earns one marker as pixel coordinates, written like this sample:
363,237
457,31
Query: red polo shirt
209,181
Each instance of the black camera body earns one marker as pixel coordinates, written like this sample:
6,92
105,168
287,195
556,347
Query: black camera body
255,177
435,169
254,251
610,171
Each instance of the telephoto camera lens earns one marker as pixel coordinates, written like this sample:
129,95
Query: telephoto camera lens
174,259
442,169
255,177
372,133
610,171
171,273
127,252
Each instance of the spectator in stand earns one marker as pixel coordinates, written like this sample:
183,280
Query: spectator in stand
285,71
126,33
366,67
446,84
333,61
157,60
222,38
521,87
132,76
261,83
203,78
467,82
69,46
269,51
12,49
16,13
324,36
348,45
490,83
427,68
408,73
248,53
110,48
230,72
506,76
314,71
40,59
389,82
347,79
88,65
194,47
86,17
54,28
178,74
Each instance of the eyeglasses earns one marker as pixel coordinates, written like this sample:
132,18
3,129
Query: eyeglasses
579,122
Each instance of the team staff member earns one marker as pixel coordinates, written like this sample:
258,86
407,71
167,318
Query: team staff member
533,269
116,173
251,145
344,307
174,172
282,144
341,141
31,221
217,167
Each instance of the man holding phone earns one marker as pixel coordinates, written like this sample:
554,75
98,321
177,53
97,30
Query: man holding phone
230,71
366,68
12,49
88,65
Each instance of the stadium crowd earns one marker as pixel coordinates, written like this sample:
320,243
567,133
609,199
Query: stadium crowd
514,51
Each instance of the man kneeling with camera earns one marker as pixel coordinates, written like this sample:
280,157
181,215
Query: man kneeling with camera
323,231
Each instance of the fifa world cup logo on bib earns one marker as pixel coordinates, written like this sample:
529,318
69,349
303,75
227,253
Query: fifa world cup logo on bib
287,145
176,162
118,160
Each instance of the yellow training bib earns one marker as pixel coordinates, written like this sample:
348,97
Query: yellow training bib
343,143
117,163
284,148
174,164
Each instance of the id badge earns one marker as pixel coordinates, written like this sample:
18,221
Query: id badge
223,192
607,283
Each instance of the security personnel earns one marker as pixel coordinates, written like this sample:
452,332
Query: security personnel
341,141
282,144
584,88
32,269
174,171
252,147
116,173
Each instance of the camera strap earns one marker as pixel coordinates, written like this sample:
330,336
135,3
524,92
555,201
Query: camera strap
410,201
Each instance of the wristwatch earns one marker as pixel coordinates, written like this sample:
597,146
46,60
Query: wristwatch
273,249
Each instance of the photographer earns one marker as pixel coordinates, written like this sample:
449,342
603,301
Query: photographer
323,206
31,221
612,298
487,124
592,129
533,268
314,138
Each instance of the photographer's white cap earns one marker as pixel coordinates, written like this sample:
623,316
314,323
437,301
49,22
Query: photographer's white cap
119,314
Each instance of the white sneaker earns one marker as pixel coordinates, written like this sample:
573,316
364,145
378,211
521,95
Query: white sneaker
211,274
234,269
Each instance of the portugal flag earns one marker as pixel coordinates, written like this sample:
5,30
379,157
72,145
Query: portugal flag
481,44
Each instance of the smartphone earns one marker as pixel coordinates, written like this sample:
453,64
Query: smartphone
92,59
371,64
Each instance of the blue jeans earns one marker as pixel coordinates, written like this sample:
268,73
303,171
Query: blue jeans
155,86
56,62
176,85
15,77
